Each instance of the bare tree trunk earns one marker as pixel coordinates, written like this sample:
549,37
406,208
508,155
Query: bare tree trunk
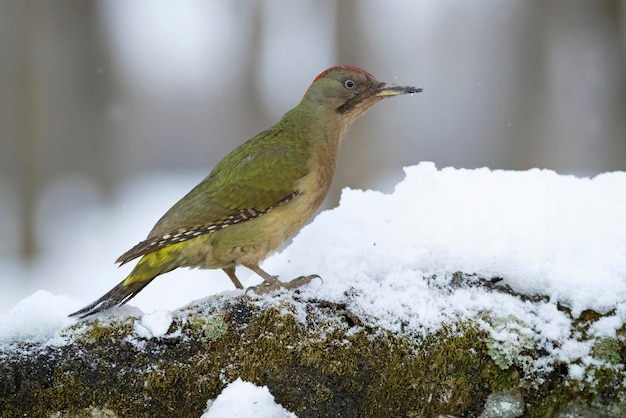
23,99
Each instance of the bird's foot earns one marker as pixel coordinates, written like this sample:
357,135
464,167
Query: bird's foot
275,284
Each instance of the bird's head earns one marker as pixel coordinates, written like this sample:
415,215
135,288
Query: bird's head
350,91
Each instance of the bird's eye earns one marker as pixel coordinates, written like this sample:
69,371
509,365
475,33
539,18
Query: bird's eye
349,84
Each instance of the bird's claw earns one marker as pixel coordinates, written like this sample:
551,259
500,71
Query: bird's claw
269,286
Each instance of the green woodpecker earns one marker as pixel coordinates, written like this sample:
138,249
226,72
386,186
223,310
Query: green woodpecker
260,194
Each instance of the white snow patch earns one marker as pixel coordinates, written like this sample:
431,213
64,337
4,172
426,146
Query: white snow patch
245,400
154,324
37,318
545,233
576,371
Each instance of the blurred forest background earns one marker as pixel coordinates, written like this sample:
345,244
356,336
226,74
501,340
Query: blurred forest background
95,93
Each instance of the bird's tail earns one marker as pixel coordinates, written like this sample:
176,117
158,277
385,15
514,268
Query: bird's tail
149,267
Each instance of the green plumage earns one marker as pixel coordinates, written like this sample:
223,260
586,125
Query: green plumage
256,175
258,195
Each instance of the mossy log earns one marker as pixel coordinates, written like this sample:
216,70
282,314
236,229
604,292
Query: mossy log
316,357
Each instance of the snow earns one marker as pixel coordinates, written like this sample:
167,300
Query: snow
544,233
245,400
391,257
37,317
154,324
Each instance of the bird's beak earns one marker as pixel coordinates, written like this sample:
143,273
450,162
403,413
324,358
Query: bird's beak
388,89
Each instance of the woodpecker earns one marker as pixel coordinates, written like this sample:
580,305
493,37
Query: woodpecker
260,194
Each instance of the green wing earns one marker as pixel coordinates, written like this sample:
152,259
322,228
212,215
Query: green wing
255,175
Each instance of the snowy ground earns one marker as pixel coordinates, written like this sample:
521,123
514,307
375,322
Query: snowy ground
544,233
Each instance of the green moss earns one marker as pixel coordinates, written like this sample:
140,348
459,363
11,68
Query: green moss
447,375
86,413
315,363
389,374
601,391
97,331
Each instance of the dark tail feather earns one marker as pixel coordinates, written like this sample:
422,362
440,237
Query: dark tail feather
117,296
150,266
